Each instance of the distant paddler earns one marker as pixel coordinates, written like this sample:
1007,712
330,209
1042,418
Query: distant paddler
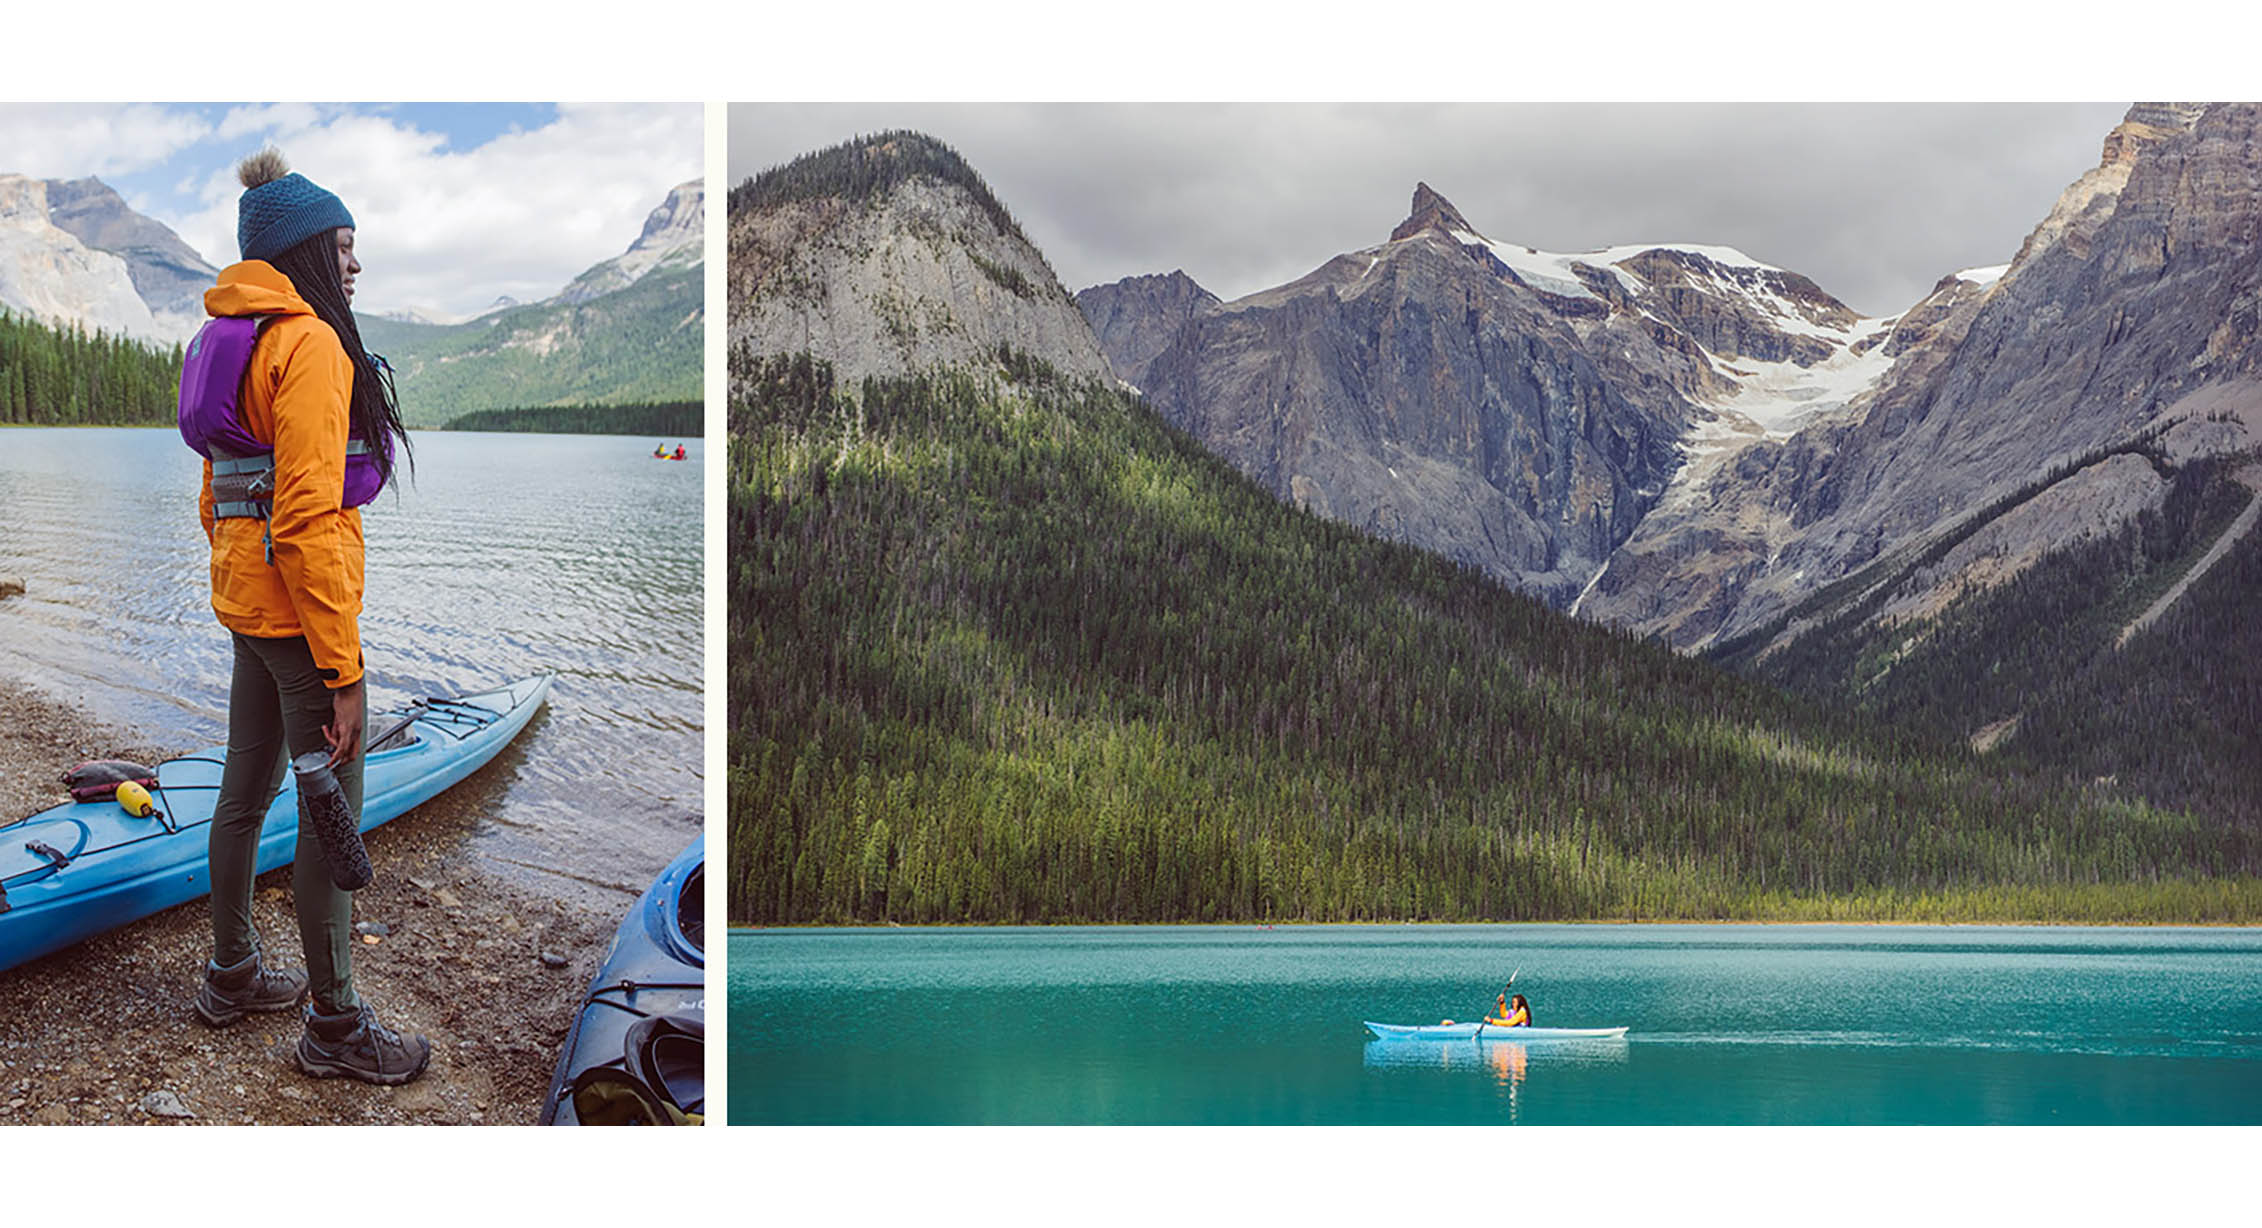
1507,1013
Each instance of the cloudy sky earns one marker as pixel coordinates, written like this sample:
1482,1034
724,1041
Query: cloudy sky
454,204
1875,202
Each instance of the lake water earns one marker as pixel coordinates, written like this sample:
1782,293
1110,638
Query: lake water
1791,1025
576,555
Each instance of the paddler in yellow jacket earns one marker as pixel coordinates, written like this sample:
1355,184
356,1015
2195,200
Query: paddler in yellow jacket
285,532
1507,1014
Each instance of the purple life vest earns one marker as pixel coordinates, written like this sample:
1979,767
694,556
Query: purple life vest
212,376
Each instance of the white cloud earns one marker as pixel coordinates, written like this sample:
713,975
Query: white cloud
1874,202
449,230
71,140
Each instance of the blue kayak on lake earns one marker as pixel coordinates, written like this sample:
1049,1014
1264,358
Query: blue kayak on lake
74,871
1486,1031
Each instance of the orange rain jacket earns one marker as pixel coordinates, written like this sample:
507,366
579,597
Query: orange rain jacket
296,394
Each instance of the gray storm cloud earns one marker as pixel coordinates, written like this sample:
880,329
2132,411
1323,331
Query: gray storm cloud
1875,202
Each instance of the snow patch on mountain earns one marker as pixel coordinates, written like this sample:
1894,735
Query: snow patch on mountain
1773,401
1782,397
1557,272
1983,276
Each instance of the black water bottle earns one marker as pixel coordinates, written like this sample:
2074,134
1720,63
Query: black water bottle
324,805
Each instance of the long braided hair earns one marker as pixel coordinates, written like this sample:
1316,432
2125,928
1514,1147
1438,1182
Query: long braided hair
312,266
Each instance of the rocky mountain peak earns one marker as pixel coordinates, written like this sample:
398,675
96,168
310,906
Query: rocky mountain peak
1431,212
680,219
1135,318
673,238
888,255
49,272
2088,202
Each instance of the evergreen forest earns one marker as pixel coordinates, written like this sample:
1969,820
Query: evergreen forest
643,343
1006,648
2169,714
675,419
63,375
868,168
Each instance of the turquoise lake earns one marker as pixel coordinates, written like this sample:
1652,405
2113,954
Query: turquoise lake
1240,1025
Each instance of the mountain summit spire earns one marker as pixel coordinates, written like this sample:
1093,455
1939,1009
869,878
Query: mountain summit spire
1431,212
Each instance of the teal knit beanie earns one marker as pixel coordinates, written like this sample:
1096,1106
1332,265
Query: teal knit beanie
276,215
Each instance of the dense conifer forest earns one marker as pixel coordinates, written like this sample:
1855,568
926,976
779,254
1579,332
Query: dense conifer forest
639,344
1007,649
676,419
2171,715
868,168
63,375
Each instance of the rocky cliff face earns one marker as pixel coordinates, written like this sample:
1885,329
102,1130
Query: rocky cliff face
167,273
1517,410
49,272
1135,318
889,256
2135,299
674,237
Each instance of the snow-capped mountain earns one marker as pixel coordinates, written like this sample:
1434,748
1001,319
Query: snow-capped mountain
2135,293
1520,410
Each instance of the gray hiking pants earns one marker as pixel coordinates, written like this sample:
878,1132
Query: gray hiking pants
277,707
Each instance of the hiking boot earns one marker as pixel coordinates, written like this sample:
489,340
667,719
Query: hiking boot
231,993
352,1043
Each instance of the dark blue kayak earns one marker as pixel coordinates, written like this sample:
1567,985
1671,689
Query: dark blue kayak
637,1051
79,869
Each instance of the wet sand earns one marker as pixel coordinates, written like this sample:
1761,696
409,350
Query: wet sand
103,1032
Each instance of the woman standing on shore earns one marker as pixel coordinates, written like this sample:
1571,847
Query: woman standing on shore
312,439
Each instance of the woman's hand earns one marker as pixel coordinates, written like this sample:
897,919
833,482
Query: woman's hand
344,729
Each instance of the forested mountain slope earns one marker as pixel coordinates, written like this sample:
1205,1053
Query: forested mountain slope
1007,647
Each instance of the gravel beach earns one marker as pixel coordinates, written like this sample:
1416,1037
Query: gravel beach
102,1033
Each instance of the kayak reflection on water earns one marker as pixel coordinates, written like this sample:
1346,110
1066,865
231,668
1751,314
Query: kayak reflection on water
1509,1062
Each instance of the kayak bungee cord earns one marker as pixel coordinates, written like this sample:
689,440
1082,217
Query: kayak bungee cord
631,988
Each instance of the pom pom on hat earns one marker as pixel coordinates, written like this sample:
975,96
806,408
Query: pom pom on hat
280,208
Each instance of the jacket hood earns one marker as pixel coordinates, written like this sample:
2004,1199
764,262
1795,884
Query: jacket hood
254,288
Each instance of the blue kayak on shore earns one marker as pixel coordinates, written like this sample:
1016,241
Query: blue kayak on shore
74,871
637,1052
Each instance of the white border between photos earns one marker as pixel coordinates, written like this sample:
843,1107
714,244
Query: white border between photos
716,632
1173,49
